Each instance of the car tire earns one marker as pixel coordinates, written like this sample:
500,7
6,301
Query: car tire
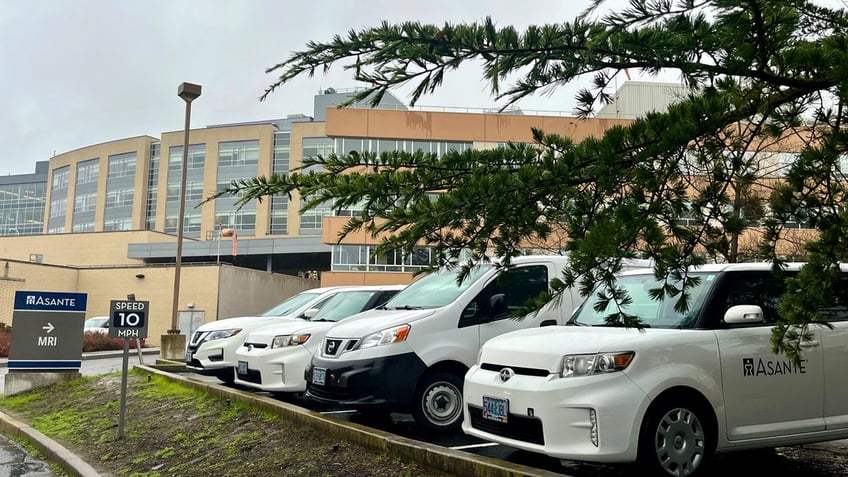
438,403
675,439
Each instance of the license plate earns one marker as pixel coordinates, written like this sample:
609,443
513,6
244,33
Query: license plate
319,376
242,367
188,356
495,409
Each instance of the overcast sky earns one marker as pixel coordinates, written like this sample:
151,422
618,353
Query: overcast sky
82,72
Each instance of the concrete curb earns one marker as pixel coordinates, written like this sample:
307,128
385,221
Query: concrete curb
440,458
52,450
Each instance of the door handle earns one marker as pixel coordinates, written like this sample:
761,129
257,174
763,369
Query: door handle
809,343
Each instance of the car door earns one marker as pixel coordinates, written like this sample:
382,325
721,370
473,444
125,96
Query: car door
514,287
834,347
765,394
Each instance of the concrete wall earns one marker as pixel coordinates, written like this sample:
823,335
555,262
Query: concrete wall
216,291
246,292
79,249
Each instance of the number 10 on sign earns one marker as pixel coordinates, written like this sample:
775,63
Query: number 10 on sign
123,319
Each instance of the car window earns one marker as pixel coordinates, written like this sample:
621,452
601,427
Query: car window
289,306
595,311
436,289
517,285
342,305
764,289
97,322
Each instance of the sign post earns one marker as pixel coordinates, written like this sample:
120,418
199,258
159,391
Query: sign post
127,320
46,342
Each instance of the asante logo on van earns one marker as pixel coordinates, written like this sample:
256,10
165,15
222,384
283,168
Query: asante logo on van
769,367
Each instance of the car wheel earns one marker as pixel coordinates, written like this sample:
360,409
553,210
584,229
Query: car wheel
674,440
438,403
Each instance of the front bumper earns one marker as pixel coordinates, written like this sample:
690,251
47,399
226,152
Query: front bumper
272,369
384,383
553,416
213,357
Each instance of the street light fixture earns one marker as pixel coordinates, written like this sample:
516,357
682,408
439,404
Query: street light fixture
188,92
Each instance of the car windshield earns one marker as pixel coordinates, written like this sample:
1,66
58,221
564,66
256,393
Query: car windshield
292,304
436,289
96,322
342,305
651,313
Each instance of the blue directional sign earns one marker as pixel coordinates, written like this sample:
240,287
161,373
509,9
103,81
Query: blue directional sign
47,331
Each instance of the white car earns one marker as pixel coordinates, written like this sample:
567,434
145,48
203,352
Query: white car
273,358
670,395
96,324
211,348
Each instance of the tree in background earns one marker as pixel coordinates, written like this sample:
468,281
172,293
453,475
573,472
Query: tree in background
758,71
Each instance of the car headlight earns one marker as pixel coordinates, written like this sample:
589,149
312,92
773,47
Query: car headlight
590,364
387,336
221,334
282,341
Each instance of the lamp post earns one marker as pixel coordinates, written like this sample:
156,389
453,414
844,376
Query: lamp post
188,92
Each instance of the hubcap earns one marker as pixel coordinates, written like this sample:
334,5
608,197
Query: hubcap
442,404
680,442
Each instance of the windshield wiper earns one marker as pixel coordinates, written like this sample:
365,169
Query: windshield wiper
408,307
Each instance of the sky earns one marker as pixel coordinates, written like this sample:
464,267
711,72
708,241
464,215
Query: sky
80,72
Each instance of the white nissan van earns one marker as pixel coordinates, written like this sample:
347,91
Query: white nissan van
411,354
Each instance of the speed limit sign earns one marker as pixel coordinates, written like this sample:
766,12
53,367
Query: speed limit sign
128,319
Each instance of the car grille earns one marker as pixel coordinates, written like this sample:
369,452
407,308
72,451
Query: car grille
517,370
252,376
520,428
331,393
332,347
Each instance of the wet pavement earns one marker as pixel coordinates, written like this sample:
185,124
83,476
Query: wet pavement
16,462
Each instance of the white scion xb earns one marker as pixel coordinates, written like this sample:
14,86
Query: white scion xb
210,350
273,357
689,384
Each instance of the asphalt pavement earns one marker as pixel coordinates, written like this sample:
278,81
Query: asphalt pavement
15,461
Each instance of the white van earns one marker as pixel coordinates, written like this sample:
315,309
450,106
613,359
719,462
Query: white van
211,348
412,353
669,395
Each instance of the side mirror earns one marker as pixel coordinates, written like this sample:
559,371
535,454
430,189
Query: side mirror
743,314
310,313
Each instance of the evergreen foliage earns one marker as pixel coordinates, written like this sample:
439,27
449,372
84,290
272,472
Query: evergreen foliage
760,72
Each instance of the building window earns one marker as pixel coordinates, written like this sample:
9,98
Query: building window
60,178
194,191
117,224
84,227
244,221
279,215
238,153
191,224
119,198
282,152
58,207
85,202
122,165
196,157
364,258
88,171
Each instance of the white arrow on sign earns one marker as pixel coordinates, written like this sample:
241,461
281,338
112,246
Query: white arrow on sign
49,327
